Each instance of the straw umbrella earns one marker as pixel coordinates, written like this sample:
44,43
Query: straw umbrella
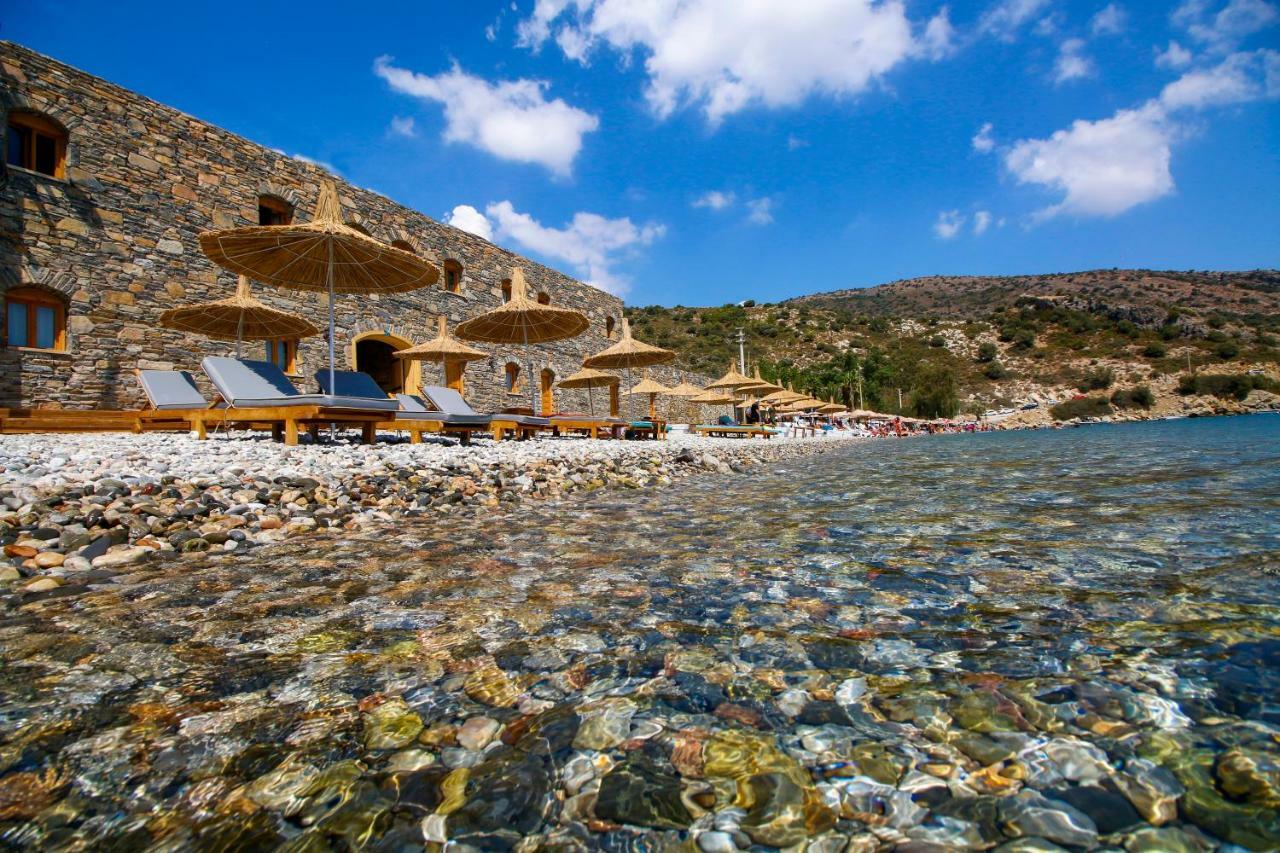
732,379
685,390
589,379
521,320
443,348
653,389
237,318
628,354
712,397
757,385
324,255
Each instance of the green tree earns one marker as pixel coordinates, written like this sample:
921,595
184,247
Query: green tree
934,393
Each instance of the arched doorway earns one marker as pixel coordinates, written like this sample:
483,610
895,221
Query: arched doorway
548,391
374,354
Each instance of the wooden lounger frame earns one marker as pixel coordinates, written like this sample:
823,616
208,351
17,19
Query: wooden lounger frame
734,431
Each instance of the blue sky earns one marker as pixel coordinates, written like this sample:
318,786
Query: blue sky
705,151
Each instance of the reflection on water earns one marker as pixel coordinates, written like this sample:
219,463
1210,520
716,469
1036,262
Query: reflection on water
956,641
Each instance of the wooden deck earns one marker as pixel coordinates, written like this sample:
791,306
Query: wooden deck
14,421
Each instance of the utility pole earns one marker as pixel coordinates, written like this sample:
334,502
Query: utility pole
742,352
899,401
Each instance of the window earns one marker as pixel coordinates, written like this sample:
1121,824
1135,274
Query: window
608,327
35,319
283,353
506,290
36,143
544,298
404,246
274,211
452,276
512,378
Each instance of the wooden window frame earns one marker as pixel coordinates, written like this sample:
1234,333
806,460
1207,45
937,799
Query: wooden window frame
544,298
290,367
33,298
452,279
276,205
36,124
609,327
511,378
506,290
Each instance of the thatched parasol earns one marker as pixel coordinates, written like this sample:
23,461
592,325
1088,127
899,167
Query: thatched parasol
757,385
628,353
589,379
521,320
238,318
731,379
684,389
830,408
443,348
653,389
323,255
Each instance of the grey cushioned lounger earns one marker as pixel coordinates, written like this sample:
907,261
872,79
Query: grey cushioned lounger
449,400
171,389
251,384
454,412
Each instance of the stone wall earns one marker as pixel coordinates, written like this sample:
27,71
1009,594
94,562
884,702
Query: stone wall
116,241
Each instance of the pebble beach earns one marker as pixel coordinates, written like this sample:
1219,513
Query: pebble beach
73,503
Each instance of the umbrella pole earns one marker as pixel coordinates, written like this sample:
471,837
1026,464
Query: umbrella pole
329,279
591,406
533,399
239,333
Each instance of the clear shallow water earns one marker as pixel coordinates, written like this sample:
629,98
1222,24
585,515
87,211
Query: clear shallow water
957,641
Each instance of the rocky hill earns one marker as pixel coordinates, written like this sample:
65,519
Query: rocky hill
975,344
974,297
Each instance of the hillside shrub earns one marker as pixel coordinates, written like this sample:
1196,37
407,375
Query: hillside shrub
995,370
987,352
1155,350
1024,339
1138,397
1081,407
1170,331
1216,337
937,341
1227,350
1235,386
1097,379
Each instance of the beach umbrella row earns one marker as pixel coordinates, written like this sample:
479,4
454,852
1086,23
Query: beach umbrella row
589,379
443,348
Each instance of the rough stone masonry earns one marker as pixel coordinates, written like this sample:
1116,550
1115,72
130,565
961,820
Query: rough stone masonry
115,242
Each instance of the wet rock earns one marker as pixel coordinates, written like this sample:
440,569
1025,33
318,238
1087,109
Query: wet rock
1152,790
1029,814
391,725
641,793
477,732
604,724
1110,812
781,812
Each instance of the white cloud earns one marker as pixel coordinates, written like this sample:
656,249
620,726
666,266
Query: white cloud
1072,63
715,199
511,119
1174,57
1005,18
1241,77
982,140
938,40
466,218
760,211
1234,22
726,55
949,224
1106,167
403,126
1109,21
319,164
795,142
981,221
1103,167
589,243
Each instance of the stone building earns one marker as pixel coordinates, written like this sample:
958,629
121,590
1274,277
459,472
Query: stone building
102,197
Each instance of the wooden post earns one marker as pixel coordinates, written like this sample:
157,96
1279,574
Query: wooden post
291,432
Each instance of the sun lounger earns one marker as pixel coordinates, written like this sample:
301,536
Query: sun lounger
656,430
258,391
581,422
172,395
450,402
412,418
413,407
733,431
